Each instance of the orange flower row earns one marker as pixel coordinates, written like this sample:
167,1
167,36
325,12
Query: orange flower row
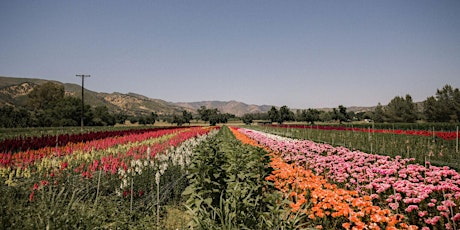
313,196
318,199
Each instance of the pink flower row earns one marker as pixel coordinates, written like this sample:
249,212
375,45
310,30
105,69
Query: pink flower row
427,194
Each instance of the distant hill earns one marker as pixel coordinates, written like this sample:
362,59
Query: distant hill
233,107
13,92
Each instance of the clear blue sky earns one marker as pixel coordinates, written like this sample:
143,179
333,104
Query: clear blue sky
304,54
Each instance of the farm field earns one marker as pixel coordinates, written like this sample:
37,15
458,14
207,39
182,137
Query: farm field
439,147
222,178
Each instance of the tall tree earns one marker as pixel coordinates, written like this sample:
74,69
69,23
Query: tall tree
46,96
204,113
273,114
103,117
443,107
311,115
187,116
379,113
285,114
340,114
401,110
11,117
247,119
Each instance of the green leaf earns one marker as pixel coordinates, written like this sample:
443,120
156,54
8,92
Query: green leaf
189,190
208,201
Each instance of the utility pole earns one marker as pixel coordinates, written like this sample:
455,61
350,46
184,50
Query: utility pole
82,96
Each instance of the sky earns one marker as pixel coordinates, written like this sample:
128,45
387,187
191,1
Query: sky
303,54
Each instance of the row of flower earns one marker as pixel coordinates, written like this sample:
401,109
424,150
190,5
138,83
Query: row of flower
428,196
440,134
108,154
24,143
100,183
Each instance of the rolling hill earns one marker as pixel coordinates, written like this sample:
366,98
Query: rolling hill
13,92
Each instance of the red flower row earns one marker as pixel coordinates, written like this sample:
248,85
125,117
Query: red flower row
439,134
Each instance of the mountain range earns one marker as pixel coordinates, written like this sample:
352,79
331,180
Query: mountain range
13,92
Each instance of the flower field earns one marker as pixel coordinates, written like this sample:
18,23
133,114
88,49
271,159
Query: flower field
227,178
422,195
115,181
438,147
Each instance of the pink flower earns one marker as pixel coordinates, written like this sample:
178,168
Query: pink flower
456,217
441,208
411,207
394,206
422,213
448,203
433,220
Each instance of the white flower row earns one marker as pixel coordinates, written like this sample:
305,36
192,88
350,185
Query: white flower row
178,156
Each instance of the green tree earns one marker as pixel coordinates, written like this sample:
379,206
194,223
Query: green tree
103,117
247,119
273,114
340,114
179,120
187,116
379,113
120,117
204,113
149,119
443,107
213,116
401,110
46,96
67,112
310,115
285,114
11,117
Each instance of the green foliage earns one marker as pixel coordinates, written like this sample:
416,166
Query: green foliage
226,184
247,119
285,114
14,118
177,120
310,115
128,199
444,107
340,114
46,96
102,116
273,114
281,115
213,116
148,119
379,114
401,110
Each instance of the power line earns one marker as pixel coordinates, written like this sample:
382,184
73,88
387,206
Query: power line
82,96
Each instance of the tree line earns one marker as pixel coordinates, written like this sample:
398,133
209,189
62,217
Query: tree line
48,106
444,106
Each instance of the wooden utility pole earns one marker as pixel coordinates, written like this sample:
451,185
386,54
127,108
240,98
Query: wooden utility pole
82,96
